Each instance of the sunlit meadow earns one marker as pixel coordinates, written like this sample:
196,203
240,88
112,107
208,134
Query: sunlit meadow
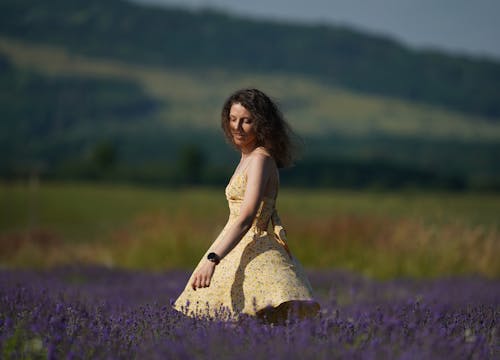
380,234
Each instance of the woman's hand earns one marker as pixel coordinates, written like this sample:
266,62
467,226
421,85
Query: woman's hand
203,275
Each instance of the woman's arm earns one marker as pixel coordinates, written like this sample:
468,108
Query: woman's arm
259,171
258,174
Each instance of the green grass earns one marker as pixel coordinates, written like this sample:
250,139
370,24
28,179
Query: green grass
82,213
381,234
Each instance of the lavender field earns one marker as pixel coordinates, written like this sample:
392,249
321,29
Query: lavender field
407,290
95,312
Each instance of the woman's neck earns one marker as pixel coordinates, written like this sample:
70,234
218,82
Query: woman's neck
247,151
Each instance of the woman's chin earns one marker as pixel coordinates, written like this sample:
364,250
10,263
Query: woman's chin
238,141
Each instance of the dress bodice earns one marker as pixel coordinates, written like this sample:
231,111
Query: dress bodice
235,193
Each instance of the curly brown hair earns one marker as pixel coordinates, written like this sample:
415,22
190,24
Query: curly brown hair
272,131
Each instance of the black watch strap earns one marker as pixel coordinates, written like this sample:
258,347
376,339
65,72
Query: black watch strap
213,257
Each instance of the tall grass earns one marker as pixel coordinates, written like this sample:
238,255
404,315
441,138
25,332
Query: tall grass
380,234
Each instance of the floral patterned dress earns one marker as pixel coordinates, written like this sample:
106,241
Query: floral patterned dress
258,273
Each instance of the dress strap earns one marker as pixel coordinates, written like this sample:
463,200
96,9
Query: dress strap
279,231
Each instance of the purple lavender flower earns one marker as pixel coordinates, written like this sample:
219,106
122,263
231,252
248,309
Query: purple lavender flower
124,314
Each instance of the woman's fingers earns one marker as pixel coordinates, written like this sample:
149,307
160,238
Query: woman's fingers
199,281
196,281
202,279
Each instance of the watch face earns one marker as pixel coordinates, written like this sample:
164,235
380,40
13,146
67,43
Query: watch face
212,257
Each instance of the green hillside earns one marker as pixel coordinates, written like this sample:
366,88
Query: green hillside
194,98
151,117
209,40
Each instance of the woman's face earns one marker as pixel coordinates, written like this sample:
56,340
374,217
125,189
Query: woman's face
242,127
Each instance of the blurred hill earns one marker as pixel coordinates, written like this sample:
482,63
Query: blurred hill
114,90
206,39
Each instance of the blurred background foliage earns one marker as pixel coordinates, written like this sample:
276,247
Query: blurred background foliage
120,93
149,82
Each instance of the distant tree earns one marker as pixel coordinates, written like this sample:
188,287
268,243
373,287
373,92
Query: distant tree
103,156
191,163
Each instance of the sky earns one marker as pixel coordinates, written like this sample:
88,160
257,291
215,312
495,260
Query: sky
467,27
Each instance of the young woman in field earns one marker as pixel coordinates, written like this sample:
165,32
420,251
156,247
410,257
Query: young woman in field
249,269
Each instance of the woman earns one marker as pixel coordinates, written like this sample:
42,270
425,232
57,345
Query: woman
248,269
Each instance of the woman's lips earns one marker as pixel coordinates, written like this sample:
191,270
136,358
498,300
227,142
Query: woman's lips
238,136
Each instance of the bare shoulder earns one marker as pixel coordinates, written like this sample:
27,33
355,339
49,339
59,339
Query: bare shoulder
262,151
261,161
263,154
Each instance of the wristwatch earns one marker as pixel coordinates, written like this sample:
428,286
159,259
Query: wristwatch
213,257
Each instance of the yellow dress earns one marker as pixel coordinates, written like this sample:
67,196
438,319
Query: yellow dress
257,275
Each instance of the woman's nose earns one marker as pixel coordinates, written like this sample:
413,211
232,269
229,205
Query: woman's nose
237,125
